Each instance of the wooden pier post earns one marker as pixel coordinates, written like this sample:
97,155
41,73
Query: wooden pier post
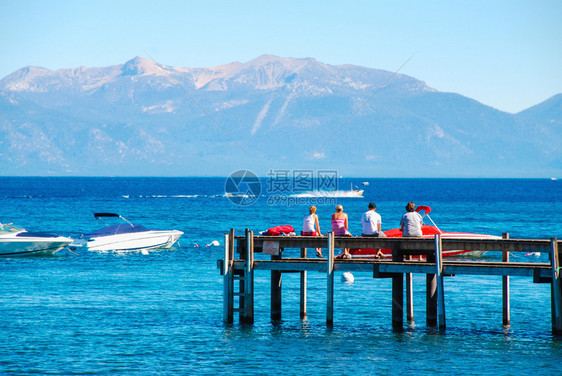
409,296
431,296
247,313
556,288
439,277
228,293
330,281
397,294
276,281
505,287
303,287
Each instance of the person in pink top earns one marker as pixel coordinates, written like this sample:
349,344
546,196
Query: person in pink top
339,221
339,227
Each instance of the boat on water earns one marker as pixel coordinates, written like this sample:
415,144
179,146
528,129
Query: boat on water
356,191
125,237
428,231
16,241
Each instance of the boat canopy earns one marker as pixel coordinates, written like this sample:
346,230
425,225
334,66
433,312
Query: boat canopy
116,229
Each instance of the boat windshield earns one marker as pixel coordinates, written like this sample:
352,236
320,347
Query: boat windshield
9,228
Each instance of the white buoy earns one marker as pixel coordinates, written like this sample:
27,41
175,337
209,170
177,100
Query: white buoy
347,277
144,252
215,243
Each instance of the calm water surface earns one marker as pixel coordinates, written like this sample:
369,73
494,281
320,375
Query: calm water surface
161,313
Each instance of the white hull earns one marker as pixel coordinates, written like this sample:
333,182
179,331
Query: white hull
460,235
24,246
132,241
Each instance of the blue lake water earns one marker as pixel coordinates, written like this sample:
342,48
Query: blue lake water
161,313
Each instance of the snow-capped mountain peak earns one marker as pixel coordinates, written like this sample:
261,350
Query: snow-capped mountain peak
140,66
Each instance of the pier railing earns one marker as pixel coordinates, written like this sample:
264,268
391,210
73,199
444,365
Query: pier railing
409,255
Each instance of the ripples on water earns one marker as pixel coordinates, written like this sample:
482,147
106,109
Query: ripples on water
110,313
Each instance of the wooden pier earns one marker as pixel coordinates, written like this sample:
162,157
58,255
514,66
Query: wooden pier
239,272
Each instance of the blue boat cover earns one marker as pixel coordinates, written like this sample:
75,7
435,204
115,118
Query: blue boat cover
123,228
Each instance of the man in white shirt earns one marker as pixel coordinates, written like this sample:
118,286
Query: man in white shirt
371,222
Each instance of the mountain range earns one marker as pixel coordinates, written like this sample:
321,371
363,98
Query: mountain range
142,118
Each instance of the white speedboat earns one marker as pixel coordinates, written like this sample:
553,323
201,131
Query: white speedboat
16,241
356,192
125,237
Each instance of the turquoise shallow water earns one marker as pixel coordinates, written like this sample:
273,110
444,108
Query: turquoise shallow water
161,313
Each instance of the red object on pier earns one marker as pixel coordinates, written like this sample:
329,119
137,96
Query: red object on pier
277,230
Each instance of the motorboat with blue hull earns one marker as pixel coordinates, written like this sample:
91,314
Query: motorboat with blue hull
125,237
16,241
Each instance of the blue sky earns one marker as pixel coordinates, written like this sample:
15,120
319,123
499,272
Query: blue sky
506,54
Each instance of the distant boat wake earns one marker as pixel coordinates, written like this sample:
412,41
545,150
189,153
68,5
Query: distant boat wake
350,194
308,194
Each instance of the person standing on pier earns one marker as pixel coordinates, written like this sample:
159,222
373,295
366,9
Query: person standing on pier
309,226
411,222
